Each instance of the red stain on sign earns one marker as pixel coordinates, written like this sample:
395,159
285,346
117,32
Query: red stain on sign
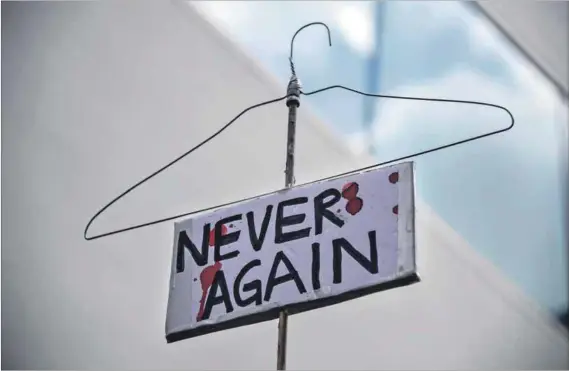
212,234
206,279
350,192
354,205
395,209
393,178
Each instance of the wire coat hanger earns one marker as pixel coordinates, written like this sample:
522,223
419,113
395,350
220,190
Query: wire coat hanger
292,69
232,121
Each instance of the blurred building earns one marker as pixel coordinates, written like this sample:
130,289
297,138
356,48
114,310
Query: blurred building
96,95
540,31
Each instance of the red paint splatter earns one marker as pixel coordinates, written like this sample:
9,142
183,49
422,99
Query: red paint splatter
395,209
350,193
212,234
393,178
354,205
206,279
350,190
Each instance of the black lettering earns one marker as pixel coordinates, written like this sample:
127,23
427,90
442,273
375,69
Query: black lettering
199,257
257,242
212,299
370,265
321,209
316,266
223,240
292,275
254,285
282,221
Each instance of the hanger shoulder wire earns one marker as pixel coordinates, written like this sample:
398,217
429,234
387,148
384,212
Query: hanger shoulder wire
160,170
211,137
440,100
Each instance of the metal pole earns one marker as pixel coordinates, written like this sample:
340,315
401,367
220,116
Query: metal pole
292,102
289,172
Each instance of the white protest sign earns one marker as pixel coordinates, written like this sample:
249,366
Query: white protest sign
241,263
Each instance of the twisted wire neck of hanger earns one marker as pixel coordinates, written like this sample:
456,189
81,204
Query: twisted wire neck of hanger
290,58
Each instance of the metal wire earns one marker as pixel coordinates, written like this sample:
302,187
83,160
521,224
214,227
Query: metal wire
415,154
288,96
292,69
171,163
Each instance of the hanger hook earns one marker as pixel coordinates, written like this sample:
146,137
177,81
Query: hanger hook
292,70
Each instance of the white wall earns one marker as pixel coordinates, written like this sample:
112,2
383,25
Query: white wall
541,29
98,94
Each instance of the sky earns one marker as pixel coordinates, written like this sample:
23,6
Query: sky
501,193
